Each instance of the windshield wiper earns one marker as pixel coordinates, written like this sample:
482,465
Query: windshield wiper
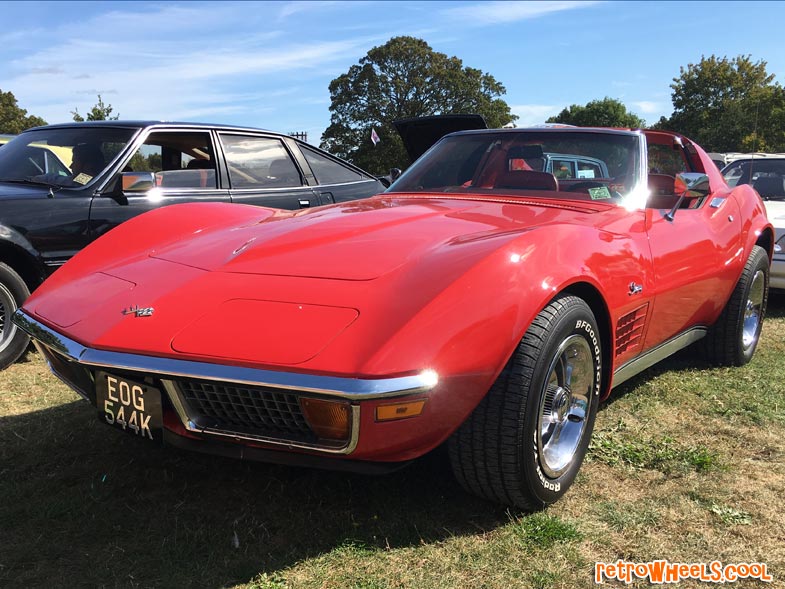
50,185
31,181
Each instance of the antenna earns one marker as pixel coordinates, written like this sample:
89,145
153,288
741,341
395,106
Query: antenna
754,141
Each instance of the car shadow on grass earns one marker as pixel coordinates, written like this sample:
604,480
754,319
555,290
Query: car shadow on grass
82,504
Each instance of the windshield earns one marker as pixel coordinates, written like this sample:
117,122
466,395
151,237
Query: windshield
63,157
555,164
767,176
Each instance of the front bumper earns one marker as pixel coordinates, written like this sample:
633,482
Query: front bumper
273,395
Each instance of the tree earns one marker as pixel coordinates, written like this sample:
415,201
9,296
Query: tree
728,105
403,78
13,119
607,112
99,112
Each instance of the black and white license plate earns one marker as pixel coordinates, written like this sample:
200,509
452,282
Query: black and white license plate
132,406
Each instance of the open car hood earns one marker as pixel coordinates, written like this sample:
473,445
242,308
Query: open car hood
420,133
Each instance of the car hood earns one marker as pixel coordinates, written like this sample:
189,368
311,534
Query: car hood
420,133
277,289
775,210
361,240
19,190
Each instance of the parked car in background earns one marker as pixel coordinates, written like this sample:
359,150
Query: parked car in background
767,176
51,206
478,301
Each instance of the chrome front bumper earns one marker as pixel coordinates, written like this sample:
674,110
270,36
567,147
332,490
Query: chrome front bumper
63,354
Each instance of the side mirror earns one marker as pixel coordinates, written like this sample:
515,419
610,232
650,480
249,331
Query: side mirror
691,185
395,173
688,185
137,181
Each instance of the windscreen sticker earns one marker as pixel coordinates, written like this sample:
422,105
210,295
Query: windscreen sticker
84,179
599,193
585,173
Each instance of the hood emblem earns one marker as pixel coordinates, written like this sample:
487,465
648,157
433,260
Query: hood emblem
139,311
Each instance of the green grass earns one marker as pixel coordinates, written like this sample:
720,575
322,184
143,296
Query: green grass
687,464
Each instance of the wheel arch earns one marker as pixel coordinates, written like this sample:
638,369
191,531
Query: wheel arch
766,241
589,293
23,263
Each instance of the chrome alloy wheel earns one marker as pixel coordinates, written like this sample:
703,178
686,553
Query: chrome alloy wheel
564,406
752,311
7,308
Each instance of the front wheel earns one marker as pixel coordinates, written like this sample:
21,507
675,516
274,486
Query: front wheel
524,443
13,292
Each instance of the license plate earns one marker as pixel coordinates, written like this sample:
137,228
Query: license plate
132,406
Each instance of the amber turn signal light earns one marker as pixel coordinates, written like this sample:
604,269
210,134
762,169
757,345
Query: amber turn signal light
330,420
399,410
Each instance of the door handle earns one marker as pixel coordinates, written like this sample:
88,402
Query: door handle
305,203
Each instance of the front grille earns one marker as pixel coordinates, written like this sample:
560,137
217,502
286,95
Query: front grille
259,410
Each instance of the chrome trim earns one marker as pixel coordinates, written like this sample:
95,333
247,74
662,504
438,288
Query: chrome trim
180,407
650,358
42,349
353,389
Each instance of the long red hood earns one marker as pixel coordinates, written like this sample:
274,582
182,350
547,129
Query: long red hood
276,288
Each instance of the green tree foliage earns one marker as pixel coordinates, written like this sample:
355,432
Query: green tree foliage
607,112
400,79
99,112
13,119
728,105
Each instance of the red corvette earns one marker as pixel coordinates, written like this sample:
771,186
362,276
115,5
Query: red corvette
490,299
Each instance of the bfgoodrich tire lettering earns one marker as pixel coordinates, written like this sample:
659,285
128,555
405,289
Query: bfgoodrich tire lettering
732,340
524,443
13,292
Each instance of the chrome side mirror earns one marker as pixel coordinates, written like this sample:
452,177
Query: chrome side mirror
691,185
137,181
688,185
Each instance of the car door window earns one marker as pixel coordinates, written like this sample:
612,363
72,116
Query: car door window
259,162
178,159
589,170
328,171
563,169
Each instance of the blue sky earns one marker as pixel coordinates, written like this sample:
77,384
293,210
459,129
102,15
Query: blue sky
269,64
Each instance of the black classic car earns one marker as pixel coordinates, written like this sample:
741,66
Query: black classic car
62,186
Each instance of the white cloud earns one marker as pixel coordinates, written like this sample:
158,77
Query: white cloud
181,62
533,114
648,107
487,13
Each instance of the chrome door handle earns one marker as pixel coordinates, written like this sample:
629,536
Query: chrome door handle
305,203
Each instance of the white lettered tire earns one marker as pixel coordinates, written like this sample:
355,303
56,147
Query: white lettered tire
525,442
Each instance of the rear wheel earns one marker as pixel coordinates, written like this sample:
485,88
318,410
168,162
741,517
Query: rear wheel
13,292
524,443
732,340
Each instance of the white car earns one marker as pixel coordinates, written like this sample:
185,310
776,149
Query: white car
767,176
776,212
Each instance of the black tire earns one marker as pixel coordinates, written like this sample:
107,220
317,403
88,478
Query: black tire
505,451
732,340
13,292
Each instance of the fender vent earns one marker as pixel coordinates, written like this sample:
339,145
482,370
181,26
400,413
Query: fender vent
629,330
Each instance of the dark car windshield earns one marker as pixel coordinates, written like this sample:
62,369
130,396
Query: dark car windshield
767,176
62,156
557,164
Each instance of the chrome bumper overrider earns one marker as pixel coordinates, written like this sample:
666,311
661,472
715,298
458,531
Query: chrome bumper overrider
168,370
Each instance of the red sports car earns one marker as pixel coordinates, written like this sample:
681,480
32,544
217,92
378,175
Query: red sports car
481,301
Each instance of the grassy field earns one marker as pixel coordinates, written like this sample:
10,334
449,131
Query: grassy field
687,464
